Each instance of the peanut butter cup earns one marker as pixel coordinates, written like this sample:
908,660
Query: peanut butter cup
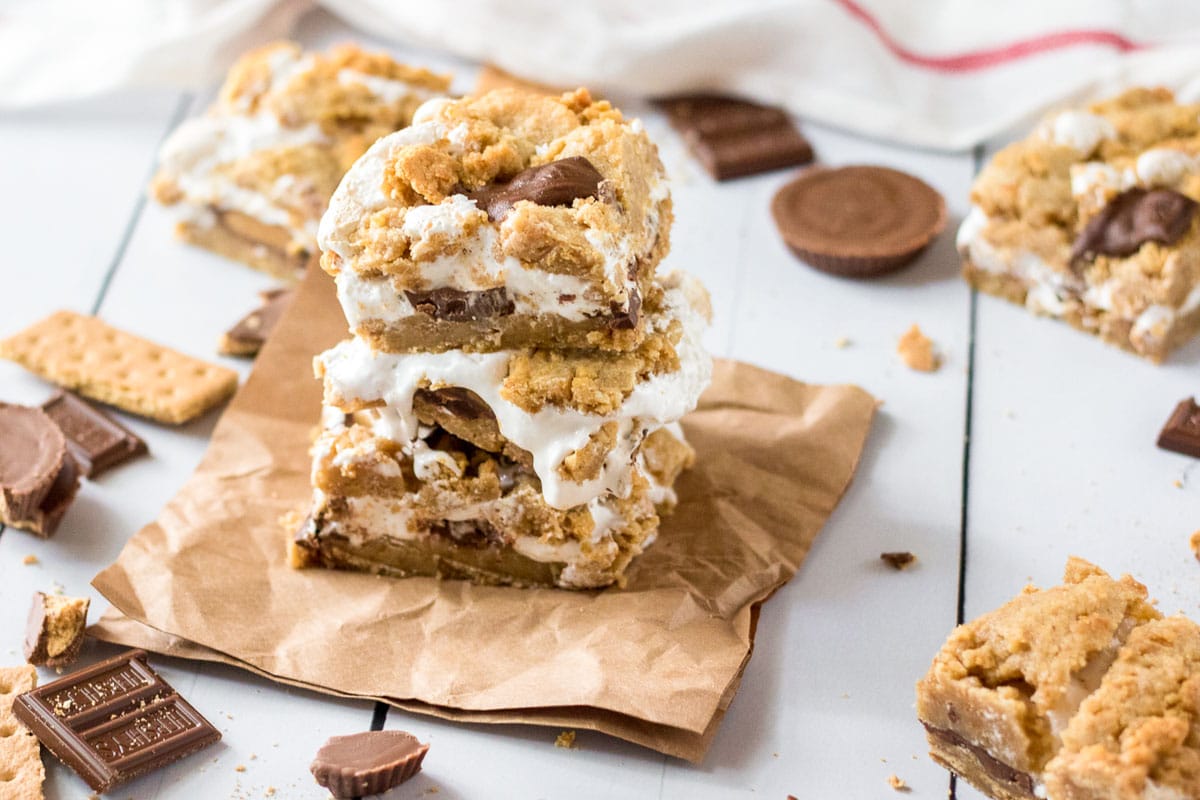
858,221
38,477
367,763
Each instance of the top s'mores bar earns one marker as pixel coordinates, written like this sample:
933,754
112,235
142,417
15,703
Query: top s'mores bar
501,221
1092,219
253,175
1078,692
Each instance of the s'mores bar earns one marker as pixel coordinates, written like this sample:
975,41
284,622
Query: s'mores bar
252,177
530,467
507,407
1092,219
506,220
1078,692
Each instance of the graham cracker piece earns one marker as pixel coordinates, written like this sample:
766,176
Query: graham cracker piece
89,356
916,350
21,770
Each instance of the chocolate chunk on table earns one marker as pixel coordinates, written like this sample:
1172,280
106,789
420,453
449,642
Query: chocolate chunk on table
54,631
367,763
732,138
114,721
1181,434
38,476
97,441
247,337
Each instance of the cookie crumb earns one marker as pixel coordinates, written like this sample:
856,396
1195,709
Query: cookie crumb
1178,485
240,768
842,342
898,560
30,560
566,739
916,351
899,785
1194,541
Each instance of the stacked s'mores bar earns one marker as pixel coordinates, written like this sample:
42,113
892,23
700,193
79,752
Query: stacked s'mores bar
252,177
506,409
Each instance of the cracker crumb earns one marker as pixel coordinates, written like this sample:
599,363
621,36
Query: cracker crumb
270,792
29,560
240,768
1194,541
842,342
1177,483
916,351
899,785
566,739
898,560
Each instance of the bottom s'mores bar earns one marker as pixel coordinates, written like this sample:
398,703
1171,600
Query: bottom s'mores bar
1079,692
442,506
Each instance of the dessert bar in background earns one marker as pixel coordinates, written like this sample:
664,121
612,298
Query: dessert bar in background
1092,219
251,178
506,220
507,408
1079,692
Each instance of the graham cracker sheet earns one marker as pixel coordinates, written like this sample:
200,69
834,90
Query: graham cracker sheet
656,662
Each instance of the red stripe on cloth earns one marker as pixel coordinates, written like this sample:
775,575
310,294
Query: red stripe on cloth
982,59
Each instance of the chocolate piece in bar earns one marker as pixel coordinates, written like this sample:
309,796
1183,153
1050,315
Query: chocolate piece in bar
246,338
733,138
558,183
455,305
1181,434
54,632
97,441
38,477
114,721
367,763
1131,219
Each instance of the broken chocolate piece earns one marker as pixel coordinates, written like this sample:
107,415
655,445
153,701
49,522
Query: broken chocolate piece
732,138
1131,219
54,632
1181,434
114,721
38,477
96,441
251,331
559,183
1020,783
455,305
899,560
457,401
367,763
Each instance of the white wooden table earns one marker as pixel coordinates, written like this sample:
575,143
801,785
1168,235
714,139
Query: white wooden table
1031,443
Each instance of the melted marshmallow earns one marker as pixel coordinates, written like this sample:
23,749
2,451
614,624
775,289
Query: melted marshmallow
353,371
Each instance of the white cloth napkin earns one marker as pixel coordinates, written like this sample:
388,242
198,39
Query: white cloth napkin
936,73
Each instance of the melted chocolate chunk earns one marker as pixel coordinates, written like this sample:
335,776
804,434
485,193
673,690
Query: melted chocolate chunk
626,319
558,183
454,305
1017,780
458,402
1131,219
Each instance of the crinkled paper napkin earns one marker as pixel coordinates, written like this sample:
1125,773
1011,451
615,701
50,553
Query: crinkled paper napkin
656,663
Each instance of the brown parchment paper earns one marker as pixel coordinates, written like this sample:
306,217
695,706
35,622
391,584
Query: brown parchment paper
655,663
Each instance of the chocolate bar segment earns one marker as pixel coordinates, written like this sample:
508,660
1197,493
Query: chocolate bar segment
247,337
114,721
1181,434
733,138
97,441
